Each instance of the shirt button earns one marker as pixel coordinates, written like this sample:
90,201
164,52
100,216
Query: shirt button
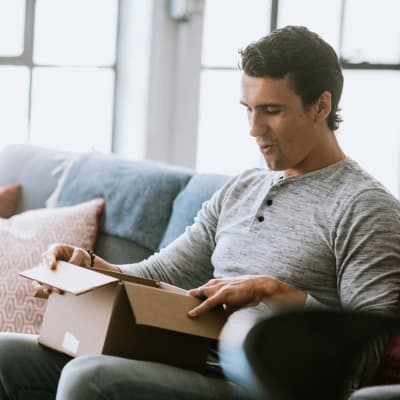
269,202
260,218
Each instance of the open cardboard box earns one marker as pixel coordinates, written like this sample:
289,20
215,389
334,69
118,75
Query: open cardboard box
122,315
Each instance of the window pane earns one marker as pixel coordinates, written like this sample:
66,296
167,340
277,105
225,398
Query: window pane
322,17
12,23
375,37
75,32
370,132
224,144
230,25
14,83
72,108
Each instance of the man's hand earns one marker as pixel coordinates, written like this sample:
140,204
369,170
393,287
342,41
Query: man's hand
60,252
65,252
72,254
244,291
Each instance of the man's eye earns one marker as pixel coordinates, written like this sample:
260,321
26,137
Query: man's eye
271,110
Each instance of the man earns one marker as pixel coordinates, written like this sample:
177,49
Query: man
314,230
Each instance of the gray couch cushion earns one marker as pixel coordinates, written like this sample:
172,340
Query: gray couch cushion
36,168
120,251
138,194
189,201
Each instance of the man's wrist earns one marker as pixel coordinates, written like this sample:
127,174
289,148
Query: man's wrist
92,256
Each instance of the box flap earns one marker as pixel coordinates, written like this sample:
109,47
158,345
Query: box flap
129,278
167,309
68,277
172,288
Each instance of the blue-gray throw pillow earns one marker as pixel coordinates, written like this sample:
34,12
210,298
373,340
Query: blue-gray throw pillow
189,201
138,194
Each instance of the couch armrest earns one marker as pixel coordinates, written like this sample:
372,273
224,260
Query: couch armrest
37,169
383,392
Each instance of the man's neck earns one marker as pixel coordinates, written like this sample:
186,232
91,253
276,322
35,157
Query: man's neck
325,153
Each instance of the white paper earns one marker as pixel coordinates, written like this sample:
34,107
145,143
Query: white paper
68,277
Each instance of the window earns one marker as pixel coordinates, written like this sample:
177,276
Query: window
375,37
365,34
223,143
57,62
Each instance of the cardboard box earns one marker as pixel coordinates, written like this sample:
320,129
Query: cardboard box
124,316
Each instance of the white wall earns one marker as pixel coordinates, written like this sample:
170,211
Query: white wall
158,82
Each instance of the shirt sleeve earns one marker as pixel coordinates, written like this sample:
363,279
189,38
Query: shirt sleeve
186,262
367,246
368,253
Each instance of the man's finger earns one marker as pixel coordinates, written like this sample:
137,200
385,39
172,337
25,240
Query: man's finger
80,257
52,261
193,292
49,259
204,306
40,291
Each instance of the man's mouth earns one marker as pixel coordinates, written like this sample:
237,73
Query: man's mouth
265,148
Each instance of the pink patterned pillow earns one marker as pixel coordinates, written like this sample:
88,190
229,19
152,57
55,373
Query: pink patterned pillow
9,195
23,238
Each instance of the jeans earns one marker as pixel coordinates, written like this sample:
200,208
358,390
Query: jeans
30,371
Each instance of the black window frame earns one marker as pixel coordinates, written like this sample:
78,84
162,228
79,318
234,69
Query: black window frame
346,64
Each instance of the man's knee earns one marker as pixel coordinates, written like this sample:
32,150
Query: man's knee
107,377
11,344
79,379
14,349
98,376
27,369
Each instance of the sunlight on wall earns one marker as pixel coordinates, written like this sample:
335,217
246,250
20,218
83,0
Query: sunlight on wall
370,132
223,143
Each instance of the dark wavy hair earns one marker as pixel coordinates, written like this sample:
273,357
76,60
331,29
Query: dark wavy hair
310,63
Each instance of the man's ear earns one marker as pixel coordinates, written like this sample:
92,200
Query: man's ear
323,106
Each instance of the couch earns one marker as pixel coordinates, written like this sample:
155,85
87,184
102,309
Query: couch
124,210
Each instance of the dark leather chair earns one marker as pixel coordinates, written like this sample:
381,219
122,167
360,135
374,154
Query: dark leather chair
305,355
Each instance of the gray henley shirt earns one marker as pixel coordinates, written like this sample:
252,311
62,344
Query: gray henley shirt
333,233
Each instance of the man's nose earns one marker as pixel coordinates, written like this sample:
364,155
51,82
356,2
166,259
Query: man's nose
257,125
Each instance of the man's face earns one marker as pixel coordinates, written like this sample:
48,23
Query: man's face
285,131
